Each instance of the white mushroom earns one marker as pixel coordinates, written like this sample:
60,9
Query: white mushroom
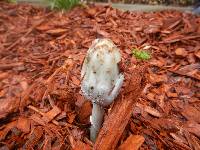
101,80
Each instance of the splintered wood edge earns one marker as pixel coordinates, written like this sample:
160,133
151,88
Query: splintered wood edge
121,112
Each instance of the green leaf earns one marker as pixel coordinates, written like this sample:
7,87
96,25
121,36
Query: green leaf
62,4
141,54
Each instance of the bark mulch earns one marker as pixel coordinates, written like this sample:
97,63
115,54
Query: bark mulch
41,52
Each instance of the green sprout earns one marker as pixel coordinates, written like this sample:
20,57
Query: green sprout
63,4
141,54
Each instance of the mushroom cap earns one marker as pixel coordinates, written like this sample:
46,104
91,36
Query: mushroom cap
99,46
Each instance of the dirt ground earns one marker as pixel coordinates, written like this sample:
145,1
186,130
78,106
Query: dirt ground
41,52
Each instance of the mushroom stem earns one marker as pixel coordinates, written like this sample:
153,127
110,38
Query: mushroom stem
96,120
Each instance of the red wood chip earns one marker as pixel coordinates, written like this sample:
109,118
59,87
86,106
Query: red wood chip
23,124
133,142
50,115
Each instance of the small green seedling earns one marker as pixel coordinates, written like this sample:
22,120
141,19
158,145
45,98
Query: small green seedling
62,4
141,54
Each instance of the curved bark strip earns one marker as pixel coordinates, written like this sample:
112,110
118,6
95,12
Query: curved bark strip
120,114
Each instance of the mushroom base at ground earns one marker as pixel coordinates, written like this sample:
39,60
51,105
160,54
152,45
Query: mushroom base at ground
96,120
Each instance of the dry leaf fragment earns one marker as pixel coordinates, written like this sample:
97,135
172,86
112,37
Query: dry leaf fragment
133,142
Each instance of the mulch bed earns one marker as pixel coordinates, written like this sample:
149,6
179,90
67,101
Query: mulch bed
41,52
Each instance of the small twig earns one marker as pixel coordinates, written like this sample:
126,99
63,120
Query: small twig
36,110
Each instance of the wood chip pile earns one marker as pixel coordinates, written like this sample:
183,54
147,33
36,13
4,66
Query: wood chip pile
41,52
